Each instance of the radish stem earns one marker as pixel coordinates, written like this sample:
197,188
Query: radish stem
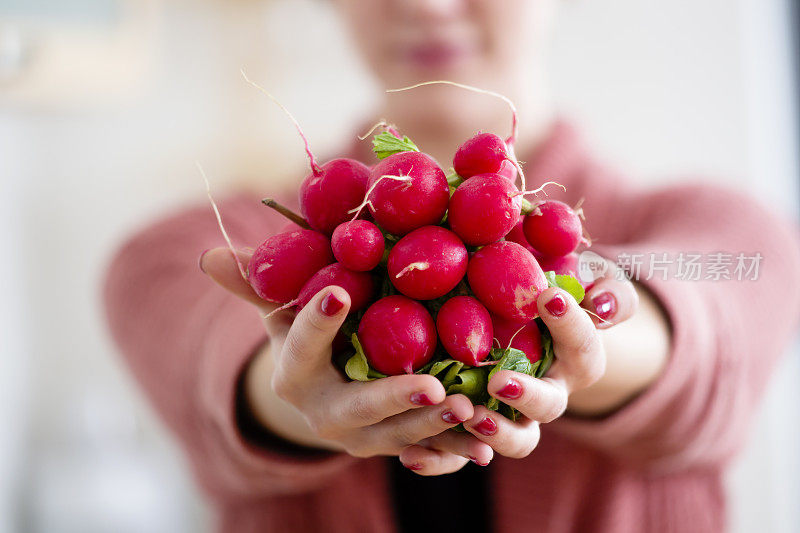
285,211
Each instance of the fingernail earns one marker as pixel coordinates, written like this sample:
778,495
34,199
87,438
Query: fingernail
557,305
605,305
450,418
512,390
331,305
200,261
486,427
413,466
475,460
419,398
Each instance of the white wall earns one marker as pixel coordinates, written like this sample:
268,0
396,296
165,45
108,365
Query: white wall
82,173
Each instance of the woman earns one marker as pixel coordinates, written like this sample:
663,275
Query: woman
639,415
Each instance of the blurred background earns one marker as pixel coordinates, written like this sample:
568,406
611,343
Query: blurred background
106,104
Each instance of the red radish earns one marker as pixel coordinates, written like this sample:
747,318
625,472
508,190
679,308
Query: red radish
465,329
358,245
485,153
407,190
427,263
398,335
523,336
518,236
331,191
359,285
506,278
553,228
484,208
283,263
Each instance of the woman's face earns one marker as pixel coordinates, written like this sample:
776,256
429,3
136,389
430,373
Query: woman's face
486,43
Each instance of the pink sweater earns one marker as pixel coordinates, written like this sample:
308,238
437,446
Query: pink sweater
654,465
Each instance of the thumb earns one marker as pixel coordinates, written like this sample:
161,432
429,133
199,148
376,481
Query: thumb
311,335
221,266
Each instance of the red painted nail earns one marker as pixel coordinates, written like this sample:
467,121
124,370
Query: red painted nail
557,305
486,427
419,398
475,460
512,390
413,466
605,305
331,305
200,261
450,418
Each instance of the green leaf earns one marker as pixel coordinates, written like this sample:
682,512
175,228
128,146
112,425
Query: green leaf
548,354
512,359
454,180
567,283
385,144
471,382
507,359
357,368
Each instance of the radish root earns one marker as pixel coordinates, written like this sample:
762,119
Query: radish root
382,124
357,210
597,316
541,189
511,340
511,139
284,307
219,222
314,166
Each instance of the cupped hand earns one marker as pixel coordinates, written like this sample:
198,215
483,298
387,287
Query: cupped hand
580,361
295,391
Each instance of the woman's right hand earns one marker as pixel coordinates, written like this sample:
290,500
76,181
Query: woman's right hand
294,390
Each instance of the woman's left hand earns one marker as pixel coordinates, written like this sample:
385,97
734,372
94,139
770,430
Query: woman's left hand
580,361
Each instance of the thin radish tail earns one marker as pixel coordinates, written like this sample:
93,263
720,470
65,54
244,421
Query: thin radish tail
511,340
239,263
284,307
514,126
386,127
315,168
597,316
540,189
360,207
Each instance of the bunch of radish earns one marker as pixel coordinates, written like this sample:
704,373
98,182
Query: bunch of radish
443,269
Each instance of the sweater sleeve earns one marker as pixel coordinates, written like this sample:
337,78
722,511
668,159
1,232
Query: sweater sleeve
187,341
727,334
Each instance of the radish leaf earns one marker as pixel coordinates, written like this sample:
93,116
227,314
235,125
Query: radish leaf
567,283
357,368
385,144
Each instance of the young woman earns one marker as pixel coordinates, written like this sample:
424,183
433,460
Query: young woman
630,430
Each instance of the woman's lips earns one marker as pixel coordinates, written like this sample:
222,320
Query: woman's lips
435,54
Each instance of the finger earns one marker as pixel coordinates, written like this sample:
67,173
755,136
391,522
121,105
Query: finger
358,404
308,342
510,439
580,357
542,400
462,444
399,431
426,462
220,265
612,300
